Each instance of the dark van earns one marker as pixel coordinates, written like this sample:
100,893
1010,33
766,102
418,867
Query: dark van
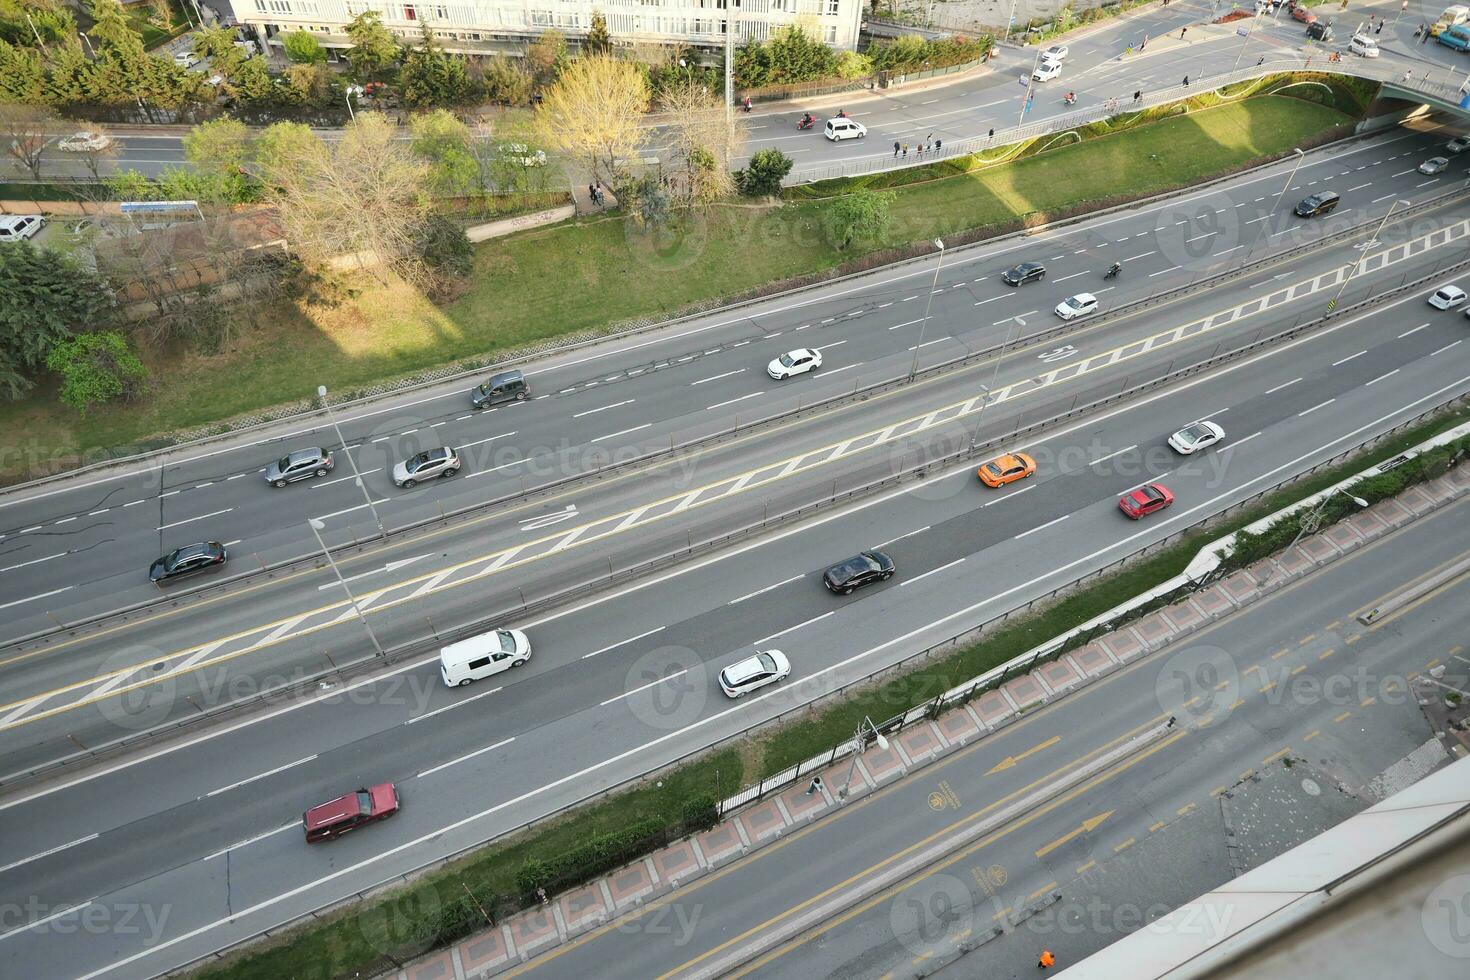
508,386
1317,205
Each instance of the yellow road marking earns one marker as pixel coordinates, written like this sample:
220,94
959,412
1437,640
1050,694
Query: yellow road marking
1312,734
1086,826
1010,761
1275,755
1125,845
1343,717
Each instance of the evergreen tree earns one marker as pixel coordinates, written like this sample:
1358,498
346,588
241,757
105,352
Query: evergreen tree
44,298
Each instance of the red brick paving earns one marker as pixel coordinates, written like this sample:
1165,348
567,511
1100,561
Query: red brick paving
919,742
1239,586
585,905
763,820
1317,548
958,726
676,862
485,950
720,843
992,707
1123,644
1092,659
438,967
1182,616
1416,500
1060,674
1024,690
801,806
1215,601
630,884
532,929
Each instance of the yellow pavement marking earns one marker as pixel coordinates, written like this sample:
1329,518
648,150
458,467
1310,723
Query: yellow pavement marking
1275,755
1306,639
1312,734
1041,891
1185,809
1333,625
1010,761
1157,827
1280,653
1298,670
1119,849
1086,826
1325,654
1087,867
1218,790
1343,717
1367,701
1353,639
1238,703
1251,669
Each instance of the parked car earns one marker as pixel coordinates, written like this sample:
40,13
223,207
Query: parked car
1145,500
1446,296
1323,202
1319,30
798,361
1363,45
1196,436
1006,469
1434,165
299,465
187,560
1045,70
765,667
1458,145
84,142
859,570
185,58
1074,306
426,465
507,386
19,227
369,804
841,129
1023,273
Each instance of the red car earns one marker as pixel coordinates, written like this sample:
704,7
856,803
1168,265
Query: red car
1303,14
328,820
1145,500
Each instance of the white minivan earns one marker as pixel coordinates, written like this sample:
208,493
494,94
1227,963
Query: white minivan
842,128
481,656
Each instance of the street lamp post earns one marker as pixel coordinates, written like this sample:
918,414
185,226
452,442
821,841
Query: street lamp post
321,392
1310,522
350,91
84,37
994,376
924,323
1361,253
1030,87
316,528
859,740
1276,207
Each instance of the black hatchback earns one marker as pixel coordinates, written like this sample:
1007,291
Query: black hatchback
860,569
508,386
1317,205
1023,273
187,560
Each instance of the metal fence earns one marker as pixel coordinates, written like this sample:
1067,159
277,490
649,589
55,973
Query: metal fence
1440,83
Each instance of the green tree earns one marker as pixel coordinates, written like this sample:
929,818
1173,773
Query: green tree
506,82
44,297
218,45
253,82
445,142
374,51
96,368
22,75
444,247
131,185
303,48
314,85
764,173
546,57
430,77
859,215
114,32
598,40
186,184
218,146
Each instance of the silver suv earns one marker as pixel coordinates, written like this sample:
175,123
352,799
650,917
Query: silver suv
430,463
300,465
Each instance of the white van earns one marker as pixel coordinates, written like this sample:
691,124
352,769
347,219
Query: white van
1451,17
18,227
842,128
481,656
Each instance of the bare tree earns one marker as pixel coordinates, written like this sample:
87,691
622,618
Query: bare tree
27,131
102,147
362,198
700,143
594,112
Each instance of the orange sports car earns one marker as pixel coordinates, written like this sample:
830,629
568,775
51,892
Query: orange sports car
1006,469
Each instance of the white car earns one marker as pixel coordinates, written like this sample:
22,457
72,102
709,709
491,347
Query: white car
1458,145
1364,45
766,667
842,128
1057,53
84,142
185,58
1046,70
1433,165
1446,296
1075,306
799,361
1195,437
19,227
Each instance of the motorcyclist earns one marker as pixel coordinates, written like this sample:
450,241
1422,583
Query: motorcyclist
1071,98
841,113
1114,269
807,119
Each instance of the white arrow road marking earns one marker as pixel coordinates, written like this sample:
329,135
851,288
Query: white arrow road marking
546,520
392,566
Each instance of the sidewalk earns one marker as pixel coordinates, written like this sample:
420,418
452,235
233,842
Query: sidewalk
538,931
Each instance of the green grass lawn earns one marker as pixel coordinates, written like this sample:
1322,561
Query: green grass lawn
594,273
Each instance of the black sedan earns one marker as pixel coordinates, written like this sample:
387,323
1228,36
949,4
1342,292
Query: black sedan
1023,273
860,569
187,560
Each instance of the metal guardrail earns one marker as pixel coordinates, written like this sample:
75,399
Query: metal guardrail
917,712
672,453
1447,92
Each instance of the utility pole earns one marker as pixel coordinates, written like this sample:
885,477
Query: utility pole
729,86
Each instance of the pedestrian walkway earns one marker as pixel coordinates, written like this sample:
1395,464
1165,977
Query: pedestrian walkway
538,931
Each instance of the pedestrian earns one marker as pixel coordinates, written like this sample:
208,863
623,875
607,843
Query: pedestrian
1423,38
895,149
815,787
905,151
1407,74
921,147
592,193
1260,61
1378,29
929,138
1127,51
937,145
992,133
1047,960
1186,81
1181,32
1138,95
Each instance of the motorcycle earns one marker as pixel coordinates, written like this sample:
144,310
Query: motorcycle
1069,99
806,123
1113,272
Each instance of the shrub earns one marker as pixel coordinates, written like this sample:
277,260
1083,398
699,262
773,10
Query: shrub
96,368
764,173
592,857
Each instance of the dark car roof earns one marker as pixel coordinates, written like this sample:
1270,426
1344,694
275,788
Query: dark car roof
504,378
1027,267
1149,492
191,550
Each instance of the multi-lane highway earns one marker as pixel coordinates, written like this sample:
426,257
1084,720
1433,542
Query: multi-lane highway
623,682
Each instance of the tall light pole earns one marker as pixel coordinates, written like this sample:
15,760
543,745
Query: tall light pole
1362,252
924,323
1030,87
84,37
859,740
321,392
316,528
350,91
1276,206
994,376
1309,523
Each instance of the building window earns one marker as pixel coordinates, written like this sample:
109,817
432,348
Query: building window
832,7
831,35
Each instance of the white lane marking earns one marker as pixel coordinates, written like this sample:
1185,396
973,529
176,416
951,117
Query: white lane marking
34,561
631,639
927,343
1010,496
54,850
1415,330
540,521
594,411
1042,527
845,367
1279,387
94,513
294,824
481,442
391,566
465,758
1171,268
1239,442
906,534
1135,258
1103,459
751,595
348,510
40,922
614,435
190,520
1381,377
717,377
33,598
255,778
1065,278
661,680
836,343
753,394
342,479
910,323
1198,237
451,707
1315,407
932,571
1444,348
981,303
793,629
1349,358
1358,188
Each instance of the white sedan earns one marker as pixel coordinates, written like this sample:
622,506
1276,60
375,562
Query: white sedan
1075,306
1057,53
799,361
1196,436
1046,70
1446,296
766,667
84,142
